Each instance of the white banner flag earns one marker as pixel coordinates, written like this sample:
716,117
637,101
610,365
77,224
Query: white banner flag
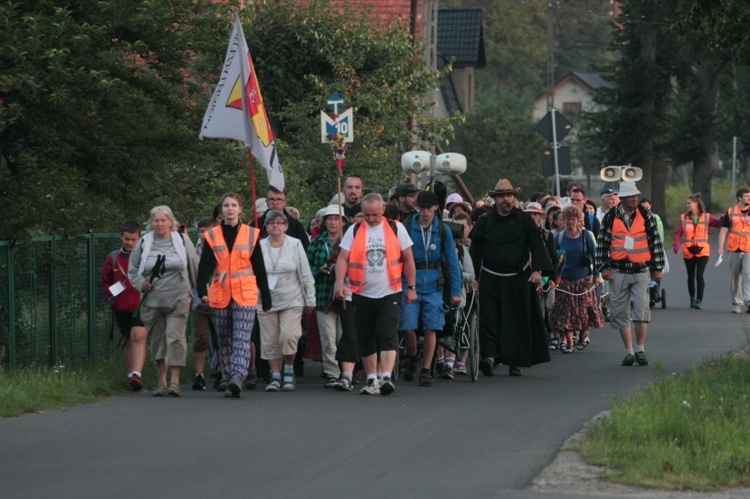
237,111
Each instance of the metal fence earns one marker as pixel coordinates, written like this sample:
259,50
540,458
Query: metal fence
51,309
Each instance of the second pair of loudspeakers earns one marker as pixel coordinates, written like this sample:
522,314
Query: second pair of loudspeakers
617,173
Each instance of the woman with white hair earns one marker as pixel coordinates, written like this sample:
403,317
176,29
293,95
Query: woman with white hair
292,289
163,268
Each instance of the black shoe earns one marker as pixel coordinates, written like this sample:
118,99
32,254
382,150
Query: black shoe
411,370
386,386
299,367
425,379
223,384
514,371
251,381
199,382
448,373
235,385
486,366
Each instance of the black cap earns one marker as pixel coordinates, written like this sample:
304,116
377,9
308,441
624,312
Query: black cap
404,189
427,199
607,192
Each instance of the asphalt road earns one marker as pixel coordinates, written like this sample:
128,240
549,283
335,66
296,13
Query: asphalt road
456,439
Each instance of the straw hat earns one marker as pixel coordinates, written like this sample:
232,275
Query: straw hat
504,186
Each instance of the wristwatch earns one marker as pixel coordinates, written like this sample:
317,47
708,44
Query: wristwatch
411,287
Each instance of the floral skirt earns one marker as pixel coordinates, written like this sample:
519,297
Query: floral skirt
576,307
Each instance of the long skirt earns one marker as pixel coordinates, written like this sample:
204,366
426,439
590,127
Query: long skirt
576,307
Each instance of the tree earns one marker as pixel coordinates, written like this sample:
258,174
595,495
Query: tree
499,141
630,127
305,52
723,22
96,106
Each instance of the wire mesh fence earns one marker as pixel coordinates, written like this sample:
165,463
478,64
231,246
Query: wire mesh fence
51,308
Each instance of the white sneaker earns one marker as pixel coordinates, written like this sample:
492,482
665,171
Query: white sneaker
736,309
371,388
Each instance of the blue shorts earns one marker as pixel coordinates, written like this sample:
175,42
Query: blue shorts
429,305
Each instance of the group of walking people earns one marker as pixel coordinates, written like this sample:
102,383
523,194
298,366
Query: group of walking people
379,274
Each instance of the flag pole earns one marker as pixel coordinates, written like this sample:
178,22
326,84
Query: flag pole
253,196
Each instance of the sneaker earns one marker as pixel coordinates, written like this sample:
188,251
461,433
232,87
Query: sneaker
553,344
343,384
514,371
386,386
371,388
736,309
274,385
135,383
235,385
251,381
425,379
174,390
698,305
640,357
289,383
223,385
199,382
411,370
629,360
439,369
160,391
564,348
460,368
486,366
330,382
448,373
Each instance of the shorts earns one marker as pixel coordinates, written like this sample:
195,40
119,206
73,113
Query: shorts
126,322
429,306
623,288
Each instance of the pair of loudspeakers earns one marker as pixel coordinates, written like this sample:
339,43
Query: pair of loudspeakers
617,173
419,161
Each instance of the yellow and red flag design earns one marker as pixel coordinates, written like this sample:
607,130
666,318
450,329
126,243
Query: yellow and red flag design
237,111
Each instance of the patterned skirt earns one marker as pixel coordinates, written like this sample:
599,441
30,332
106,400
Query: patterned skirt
576,307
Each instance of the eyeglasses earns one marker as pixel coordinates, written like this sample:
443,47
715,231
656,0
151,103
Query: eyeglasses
575,200
276,222
275,200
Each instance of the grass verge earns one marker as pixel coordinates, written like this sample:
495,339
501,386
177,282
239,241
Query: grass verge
38,389
686,431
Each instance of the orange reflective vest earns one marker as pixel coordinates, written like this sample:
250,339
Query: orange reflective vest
639,253
696,234
357,257
738,237
234,278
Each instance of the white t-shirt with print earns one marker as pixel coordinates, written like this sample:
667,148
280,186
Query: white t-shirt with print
376,283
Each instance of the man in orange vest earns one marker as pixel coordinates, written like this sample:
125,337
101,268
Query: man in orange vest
629,254
735,230
374,255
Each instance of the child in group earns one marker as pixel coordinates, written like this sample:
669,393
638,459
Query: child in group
123,298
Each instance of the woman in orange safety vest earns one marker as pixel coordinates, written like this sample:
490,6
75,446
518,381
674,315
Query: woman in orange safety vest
232,254
691,237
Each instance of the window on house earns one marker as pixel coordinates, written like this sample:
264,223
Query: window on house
573,107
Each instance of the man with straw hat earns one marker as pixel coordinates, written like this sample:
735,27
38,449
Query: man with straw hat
511,327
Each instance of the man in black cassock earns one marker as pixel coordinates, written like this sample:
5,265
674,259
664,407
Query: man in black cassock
508,254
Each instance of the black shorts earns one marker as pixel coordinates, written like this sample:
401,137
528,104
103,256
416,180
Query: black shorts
126,322
377,323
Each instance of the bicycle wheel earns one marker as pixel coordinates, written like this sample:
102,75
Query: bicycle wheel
473,359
